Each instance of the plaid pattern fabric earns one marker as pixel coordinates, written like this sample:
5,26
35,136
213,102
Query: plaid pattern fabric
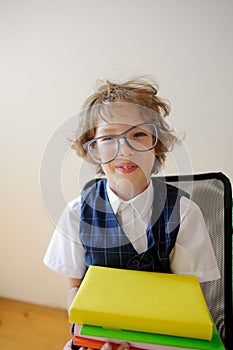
105,243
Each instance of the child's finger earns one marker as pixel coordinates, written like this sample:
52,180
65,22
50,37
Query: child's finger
106,346
124,346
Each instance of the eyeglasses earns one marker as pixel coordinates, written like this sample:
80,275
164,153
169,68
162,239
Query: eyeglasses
141,138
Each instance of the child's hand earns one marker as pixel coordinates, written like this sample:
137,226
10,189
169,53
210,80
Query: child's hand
106,346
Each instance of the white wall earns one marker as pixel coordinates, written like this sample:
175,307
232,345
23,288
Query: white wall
52,52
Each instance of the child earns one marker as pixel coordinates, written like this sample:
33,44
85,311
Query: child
129,219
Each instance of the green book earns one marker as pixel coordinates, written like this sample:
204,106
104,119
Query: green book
152,338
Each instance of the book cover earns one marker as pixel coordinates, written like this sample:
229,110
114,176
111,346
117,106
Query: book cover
149,341
142,301
118,340
95,344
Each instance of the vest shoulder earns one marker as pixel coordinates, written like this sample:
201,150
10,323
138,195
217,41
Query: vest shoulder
161,185
94,183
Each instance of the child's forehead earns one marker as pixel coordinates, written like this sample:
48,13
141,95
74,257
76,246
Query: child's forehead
111,128
122,113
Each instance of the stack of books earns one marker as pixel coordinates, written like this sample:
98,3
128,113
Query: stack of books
152,311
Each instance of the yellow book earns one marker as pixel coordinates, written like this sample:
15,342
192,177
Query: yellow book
142,301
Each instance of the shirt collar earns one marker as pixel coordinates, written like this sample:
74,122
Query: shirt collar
141,203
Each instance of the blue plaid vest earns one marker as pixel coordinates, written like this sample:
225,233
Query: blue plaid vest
105,243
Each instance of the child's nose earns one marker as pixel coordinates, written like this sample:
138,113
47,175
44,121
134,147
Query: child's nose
124,148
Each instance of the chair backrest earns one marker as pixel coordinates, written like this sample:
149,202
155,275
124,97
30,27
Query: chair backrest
212,192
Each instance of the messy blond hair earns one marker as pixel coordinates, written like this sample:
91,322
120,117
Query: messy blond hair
138,91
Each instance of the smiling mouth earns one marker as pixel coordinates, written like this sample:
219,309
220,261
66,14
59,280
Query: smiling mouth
127,168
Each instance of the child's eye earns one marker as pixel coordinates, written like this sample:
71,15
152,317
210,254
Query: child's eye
140,134
106,138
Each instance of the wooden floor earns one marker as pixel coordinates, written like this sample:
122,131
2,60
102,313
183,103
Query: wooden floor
25,326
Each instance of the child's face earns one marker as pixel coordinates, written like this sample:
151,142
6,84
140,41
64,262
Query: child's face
129,173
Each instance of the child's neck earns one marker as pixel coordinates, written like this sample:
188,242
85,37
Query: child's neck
126,191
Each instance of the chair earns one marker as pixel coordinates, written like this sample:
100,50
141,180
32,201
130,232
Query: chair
212,193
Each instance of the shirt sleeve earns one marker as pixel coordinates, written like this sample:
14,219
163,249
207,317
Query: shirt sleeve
65,252
193,253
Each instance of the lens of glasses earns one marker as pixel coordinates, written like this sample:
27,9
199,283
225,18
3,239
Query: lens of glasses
103,150
140,138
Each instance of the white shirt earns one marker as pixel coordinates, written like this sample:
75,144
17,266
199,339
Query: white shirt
192,254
